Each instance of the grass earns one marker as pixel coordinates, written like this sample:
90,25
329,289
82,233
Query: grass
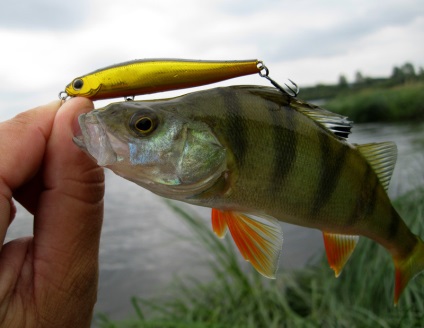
311,297
400,103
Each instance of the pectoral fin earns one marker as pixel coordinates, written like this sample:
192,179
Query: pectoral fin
259,242
339,248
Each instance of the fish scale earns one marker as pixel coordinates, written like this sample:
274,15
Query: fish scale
253,151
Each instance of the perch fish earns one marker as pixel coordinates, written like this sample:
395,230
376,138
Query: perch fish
257,156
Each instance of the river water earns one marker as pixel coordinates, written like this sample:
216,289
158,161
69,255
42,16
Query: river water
144,245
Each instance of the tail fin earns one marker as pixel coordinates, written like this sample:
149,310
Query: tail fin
408,268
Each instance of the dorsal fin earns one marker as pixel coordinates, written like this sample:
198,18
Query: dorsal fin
335,123
382,158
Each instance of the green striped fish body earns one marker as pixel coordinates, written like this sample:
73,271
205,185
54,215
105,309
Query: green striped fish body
283,164
280,162
254,150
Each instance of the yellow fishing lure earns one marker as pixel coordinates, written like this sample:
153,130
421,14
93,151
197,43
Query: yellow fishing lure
156,75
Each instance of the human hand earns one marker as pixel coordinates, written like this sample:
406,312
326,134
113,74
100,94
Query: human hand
50,279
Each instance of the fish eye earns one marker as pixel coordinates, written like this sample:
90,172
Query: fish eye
78,84
144,124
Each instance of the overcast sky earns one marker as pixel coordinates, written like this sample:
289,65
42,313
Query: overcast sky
46,43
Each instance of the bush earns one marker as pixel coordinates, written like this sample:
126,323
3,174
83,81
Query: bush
400,103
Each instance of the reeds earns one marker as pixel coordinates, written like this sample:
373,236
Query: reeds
400,103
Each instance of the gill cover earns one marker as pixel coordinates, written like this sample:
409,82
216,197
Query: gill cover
182,152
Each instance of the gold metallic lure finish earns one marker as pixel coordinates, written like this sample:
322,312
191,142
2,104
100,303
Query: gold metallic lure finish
156,75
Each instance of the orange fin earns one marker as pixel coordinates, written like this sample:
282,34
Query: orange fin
259,242
219,225
339,248
408,268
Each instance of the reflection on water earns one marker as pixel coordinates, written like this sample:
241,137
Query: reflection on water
144,245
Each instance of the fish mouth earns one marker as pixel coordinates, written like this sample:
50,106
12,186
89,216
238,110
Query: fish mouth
94,140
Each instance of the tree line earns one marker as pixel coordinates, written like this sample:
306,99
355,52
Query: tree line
400,75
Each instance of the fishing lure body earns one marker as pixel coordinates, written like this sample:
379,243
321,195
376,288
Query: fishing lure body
138,77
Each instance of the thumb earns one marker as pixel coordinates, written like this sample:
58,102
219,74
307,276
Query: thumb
68,220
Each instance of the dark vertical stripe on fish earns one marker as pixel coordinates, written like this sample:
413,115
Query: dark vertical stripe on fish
371,201
366,198
332,162
284,143
235,125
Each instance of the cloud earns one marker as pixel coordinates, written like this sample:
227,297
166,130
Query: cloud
327,30
244,7
42,14
50,42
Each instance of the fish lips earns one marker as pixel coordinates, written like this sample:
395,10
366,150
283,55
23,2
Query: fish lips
93,139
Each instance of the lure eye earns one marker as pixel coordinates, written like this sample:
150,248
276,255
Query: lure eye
78,84
144,124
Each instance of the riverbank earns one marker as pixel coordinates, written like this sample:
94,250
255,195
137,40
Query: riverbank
399,103
311,297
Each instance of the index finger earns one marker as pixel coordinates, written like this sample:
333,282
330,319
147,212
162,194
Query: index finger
23,142
24,138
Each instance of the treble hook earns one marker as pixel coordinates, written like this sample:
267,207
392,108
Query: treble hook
264,72
296,91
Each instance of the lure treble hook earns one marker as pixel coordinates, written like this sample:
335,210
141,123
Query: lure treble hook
264,72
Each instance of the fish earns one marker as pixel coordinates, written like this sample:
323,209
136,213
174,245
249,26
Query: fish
137,77
258,157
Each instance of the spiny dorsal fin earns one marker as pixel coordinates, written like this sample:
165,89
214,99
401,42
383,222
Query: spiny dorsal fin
339,248
382,158
335,123
258,241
